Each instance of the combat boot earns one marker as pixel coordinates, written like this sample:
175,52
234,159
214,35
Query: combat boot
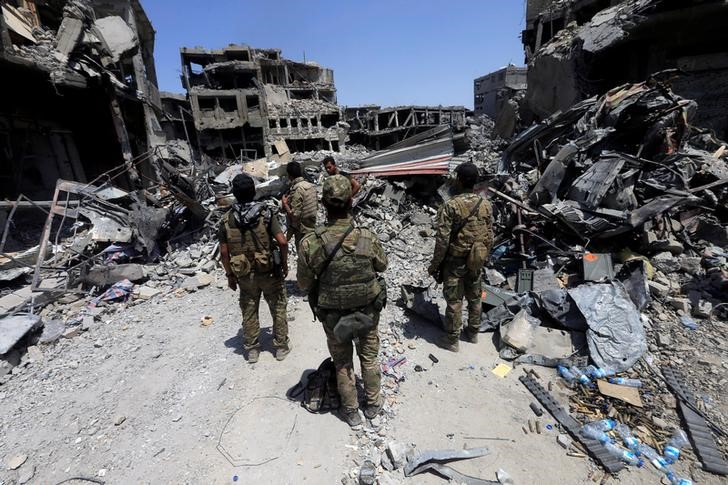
352,417
470,336
282,353
444,342
253,355
371,410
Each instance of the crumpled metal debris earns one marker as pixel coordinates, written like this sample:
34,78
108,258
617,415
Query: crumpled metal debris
429,459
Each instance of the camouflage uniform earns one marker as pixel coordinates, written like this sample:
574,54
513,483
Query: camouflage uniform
348,285
256,244
451,257
304,207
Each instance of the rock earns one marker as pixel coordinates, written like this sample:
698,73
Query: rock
26,475
119,419
665,262
71,332
680,304
674,247
17,461
183,261
564,440
210,265
397,452
52,331
87,323
658,290
663,339
199,281
8,362
690,265
98,344
147,292
35,354
703,309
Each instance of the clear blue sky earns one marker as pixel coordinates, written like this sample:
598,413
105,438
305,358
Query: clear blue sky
389,53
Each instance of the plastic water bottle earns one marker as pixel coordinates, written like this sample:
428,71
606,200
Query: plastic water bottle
623,381
672,448
598,430
675,480
655,458
580,376
626,456
602,425
599,372
627,438
566,374
596,434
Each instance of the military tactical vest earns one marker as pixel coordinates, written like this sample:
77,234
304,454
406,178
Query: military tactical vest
350,280
253,242
310,202
477,227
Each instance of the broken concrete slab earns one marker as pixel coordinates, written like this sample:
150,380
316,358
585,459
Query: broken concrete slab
52,331
14,328
118,36
146,292
103,276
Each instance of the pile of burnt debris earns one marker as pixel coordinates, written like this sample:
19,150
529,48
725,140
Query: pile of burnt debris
618,208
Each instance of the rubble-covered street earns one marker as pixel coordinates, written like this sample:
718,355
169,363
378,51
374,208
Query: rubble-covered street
602,355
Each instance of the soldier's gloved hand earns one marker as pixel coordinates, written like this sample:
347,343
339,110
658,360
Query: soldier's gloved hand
232,282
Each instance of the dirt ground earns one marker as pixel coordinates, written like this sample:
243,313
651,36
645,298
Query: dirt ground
149,395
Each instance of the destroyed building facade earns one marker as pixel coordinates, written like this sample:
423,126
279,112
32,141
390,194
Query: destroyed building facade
245,99
84,94
579,48
378,128
491,89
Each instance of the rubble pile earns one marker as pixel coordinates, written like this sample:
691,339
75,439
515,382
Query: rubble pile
618,211
484,144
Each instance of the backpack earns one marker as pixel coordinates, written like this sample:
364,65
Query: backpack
318,389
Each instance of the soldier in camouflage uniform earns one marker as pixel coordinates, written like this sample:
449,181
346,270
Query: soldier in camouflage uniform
301,205
248,235
331,169
450,265
349,292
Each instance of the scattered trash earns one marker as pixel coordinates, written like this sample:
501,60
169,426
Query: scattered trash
207,321
502,370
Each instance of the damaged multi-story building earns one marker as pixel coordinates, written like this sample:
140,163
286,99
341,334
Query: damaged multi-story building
246,101
578,48
499,95
80,94
379,128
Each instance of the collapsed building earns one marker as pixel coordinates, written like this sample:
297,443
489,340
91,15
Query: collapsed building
246,101
579,48
379,128
81,94
499,95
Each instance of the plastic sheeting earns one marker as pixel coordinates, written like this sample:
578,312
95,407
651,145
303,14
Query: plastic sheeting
616,337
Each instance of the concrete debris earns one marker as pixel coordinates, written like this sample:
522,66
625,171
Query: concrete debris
14,328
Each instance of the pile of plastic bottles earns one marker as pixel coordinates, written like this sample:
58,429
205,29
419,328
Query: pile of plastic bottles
574,374
636,453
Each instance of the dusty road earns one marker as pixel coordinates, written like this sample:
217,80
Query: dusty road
149,395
